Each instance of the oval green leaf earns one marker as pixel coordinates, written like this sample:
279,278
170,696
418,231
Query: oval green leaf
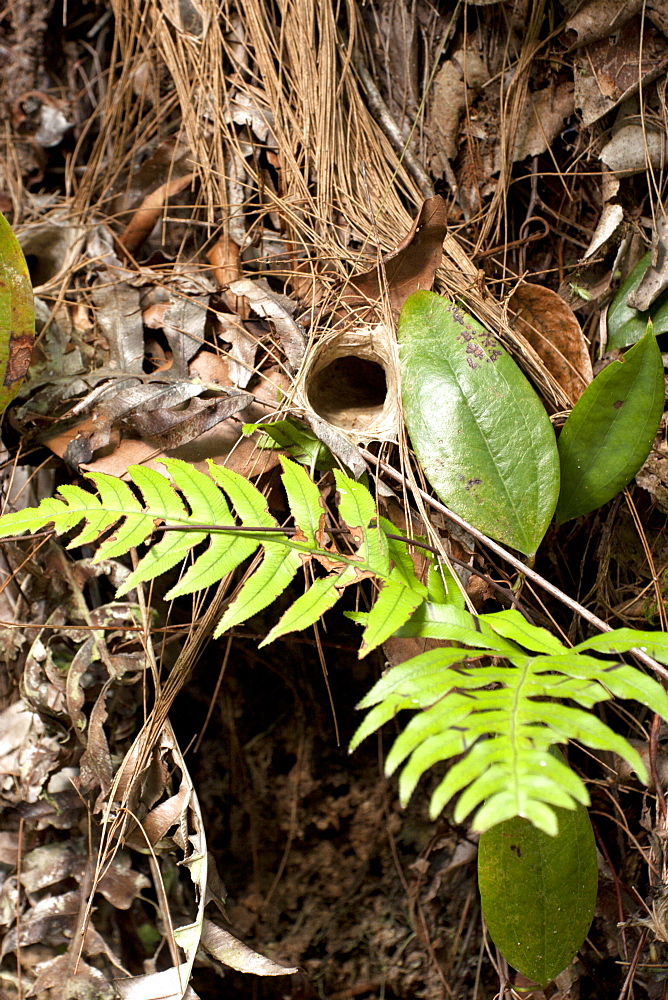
610,430
626,325
538,892
17,315
478,429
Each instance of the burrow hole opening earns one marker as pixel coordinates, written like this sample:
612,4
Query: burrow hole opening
349,392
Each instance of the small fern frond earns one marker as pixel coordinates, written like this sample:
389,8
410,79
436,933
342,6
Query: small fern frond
503,716
229,514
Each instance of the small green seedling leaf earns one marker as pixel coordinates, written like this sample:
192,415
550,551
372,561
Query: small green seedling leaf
479,430
626,325
538,892
17,316
610,430
298,440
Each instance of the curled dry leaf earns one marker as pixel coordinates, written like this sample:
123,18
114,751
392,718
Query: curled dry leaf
142,222
541,120
599,19
412,266
552,329
231,952
655,278
278,309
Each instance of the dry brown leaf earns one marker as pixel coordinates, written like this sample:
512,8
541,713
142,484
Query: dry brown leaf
611,70
410,267
600,19
552,329
141,224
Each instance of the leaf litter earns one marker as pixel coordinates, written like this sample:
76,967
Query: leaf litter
206,203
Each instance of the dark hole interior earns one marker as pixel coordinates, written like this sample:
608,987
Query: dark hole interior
349,392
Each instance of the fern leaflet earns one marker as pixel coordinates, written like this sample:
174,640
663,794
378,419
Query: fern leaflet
504,715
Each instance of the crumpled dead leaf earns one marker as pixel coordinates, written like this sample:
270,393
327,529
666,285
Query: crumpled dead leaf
278,309
611,70
655,278
552,329
411,266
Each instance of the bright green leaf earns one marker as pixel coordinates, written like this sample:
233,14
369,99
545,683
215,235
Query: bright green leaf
479,430
610,430
308,608
298,440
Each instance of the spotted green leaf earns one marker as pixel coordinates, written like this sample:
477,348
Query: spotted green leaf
478,429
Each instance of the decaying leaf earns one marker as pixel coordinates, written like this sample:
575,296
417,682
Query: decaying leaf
147,215
552,329
227,949
610,70
410,267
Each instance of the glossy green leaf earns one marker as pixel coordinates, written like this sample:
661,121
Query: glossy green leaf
538,892
610,430
626,325
17,315
479,430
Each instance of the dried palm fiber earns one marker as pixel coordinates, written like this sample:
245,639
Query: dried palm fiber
340,178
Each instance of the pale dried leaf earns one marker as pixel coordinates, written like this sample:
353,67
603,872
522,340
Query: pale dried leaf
611,219
633,148
655,279
269,305
168,985
228,950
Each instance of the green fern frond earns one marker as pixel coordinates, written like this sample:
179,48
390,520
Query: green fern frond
495,701
504,715
229,514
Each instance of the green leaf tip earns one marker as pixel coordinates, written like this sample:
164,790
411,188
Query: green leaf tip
479,430
611,429
17,315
